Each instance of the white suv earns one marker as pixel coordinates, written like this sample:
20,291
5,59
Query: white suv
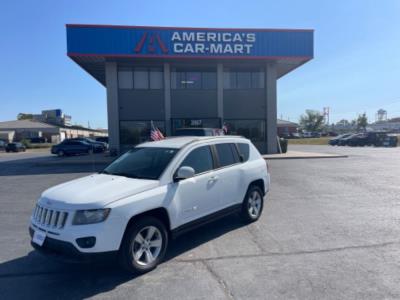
150,194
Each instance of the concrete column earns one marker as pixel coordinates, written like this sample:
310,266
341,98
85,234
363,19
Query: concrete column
271,108
167,98
220,92
112,105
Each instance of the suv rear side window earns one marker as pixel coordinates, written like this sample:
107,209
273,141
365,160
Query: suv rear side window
244,150
227,154
200,159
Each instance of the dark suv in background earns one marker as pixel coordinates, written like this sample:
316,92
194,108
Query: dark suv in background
335,141
73,147
367,139
97,146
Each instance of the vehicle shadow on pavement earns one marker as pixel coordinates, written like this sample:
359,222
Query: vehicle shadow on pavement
37,277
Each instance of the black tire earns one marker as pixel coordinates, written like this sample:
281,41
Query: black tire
245,212
126,258
60,153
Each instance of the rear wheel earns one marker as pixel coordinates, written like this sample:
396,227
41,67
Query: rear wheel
144,245
60,153
252,205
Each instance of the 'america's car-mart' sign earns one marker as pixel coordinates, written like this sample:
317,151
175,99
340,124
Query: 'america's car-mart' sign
103,40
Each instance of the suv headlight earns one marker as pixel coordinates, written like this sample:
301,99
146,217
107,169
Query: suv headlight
90,216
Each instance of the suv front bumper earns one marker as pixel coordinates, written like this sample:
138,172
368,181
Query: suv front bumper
66,251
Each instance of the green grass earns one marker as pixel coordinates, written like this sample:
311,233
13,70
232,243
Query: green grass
310,141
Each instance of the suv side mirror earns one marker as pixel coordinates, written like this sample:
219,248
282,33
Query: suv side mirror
184,173
241,158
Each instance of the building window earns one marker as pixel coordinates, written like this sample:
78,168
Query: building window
125,79
257,80
209,80
242,79
194,80
136,132
156,79
251,129
141,78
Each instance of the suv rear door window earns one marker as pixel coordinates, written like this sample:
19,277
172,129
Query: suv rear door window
200,159
226,154
244,150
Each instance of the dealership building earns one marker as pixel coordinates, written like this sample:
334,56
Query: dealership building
189,77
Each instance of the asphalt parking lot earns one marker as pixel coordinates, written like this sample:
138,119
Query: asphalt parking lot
330,230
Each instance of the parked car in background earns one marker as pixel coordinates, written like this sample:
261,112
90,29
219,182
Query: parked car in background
151,194
335,141
103,139
15,147
97,146
367,139
198,132
37,140
73,147
343,141
375,138
307,134
357,140
390,141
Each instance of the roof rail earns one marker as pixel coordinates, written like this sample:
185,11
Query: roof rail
203,138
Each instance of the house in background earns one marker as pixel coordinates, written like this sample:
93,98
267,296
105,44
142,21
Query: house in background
18,130
286,128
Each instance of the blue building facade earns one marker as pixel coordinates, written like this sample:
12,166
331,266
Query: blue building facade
189,77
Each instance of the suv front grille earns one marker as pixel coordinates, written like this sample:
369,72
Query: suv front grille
49,218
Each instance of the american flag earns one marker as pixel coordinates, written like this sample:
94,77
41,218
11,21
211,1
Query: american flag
155,133
225,129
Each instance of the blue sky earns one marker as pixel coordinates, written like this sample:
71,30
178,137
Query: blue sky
356,67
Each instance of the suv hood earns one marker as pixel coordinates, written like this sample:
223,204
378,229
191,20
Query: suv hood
94,191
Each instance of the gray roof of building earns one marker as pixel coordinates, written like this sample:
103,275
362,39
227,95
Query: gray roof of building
24,124
30,124
284,122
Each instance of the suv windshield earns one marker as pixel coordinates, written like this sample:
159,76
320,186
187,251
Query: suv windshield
146,163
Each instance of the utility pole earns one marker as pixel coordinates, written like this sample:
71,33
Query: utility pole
326,114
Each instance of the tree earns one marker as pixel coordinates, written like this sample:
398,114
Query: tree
343,122
312,121
362,122
22,116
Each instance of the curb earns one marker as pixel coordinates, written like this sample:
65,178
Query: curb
306,157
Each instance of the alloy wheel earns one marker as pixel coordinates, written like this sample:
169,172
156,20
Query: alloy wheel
146,246
254,204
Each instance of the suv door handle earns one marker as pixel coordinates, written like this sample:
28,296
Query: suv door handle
213,178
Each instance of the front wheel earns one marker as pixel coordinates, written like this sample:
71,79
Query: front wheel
252,205
144,245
